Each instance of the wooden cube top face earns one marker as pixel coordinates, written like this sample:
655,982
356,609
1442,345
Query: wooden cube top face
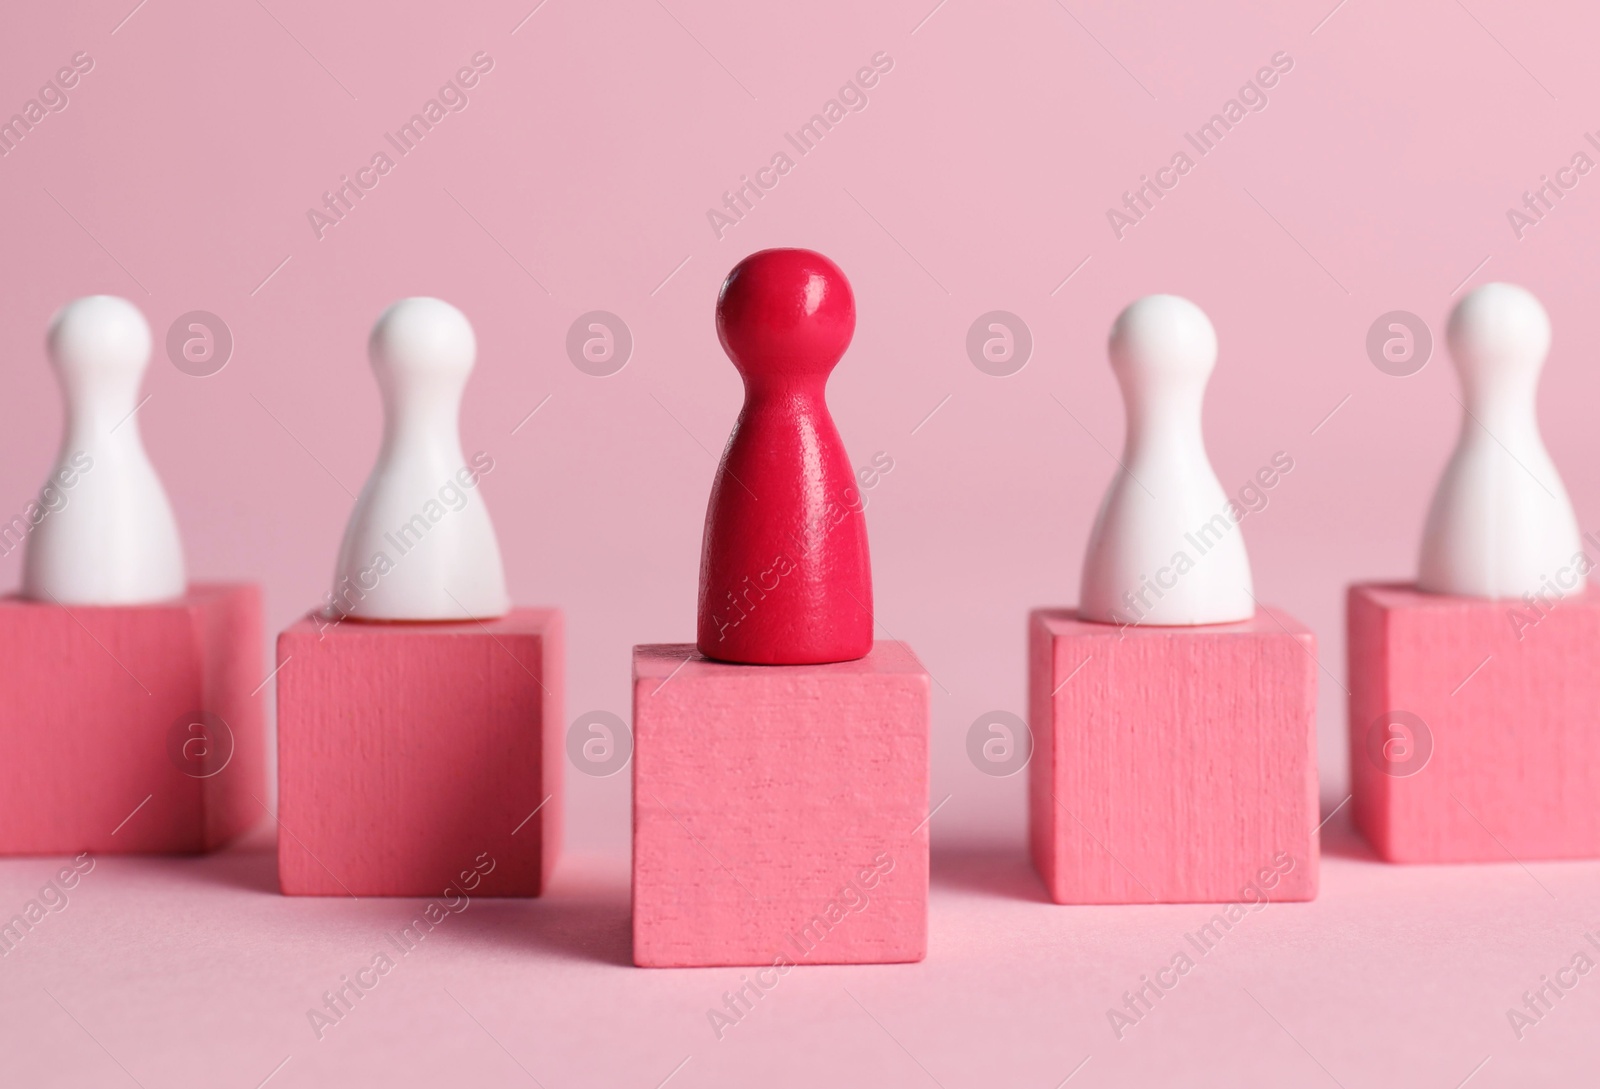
519,621
680,660
1266,622
780,811
196,595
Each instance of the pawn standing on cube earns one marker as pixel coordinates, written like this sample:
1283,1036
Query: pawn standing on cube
784,573
1165,509
1500,523
115,542
128,691
410,553
1173,720
781,763
418,712
1474,705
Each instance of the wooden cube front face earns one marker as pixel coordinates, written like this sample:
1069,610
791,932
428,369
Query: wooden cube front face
130,729
1474,725
780,812
410,756
1173,765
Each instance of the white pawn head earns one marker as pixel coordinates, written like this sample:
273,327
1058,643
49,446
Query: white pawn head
1162,337
1500,524
1166,548
419,544
1499,336
102,531
422,342
99,341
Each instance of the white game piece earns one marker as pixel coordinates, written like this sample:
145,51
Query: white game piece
1500,524
1164,549
420,545
104,533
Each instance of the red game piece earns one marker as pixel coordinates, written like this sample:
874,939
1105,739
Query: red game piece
784,574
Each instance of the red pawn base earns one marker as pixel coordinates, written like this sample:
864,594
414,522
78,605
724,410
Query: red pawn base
1474,725
131,728
779,812
1173,765
414,758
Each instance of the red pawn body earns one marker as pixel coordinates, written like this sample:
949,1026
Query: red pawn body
784,573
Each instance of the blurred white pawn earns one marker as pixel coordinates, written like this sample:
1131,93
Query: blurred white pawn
1500,524
420,545
107,535
1163,550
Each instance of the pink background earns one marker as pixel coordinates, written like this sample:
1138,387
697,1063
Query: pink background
977,179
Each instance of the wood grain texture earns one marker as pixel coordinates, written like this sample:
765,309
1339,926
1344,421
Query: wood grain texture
92,696
1173,764
1509,701
410,756
779,811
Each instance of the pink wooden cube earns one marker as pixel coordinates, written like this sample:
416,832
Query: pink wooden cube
1173,764
1474,725
414,757
131,728
779,812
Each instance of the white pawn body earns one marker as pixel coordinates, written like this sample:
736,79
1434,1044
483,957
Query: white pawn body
1500,524
421,510
1164,550
108,536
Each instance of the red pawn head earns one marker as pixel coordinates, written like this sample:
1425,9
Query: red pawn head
784,573
785,314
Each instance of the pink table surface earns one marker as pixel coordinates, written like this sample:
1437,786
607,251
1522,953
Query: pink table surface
194,972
